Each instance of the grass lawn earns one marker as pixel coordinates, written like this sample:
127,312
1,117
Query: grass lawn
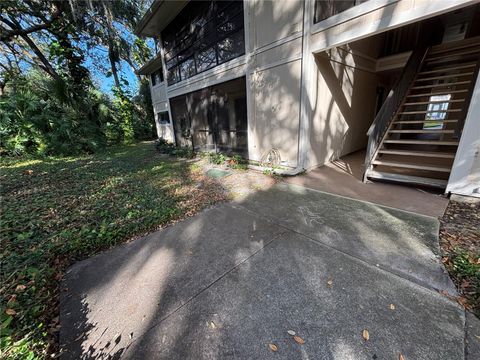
59,210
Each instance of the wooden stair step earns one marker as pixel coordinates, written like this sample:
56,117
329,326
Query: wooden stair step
422,131
428,111
424,121
421,142
407,179
441,85
448,68
457,58
441,92
432,154
471,50
445,76
412,166
434,102
455,45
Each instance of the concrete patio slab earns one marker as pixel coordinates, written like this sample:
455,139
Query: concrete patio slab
231,280
285,287
124,290
344,177
398,241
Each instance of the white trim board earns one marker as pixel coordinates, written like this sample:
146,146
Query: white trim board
395,20
350,14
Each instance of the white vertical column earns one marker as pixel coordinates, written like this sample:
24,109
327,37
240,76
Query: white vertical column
306,89
465,175
249,68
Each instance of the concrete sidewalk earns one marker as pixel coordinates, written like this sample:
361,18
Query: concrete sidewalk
235,278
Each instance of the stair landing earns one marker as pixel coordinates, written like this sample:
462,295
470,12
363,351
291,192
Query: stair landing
344,177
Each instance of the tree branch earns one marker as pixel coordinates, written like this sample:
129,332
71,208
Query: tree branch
7,34
47,66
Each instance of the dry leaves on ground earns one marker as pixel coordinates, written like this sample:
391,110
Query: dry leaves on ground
273,347
366,335
299,340
460,243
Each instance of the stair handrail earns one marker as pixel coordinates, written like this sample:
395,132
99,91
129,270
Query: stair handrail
392,104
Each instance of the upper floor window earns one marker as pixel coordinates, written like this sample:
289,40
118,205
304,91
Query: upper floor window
326,8
203,35
157,77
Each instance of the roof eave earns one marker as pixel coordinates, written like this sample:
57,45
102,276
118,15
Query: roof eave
159,15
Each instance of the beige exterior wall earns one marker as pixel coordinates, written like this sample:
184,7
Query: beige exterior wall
339,101
276,111
323,108
275,20
164,131
274,78
344,101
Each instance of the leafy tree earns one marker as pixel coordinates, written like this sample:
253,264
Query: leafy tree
55,38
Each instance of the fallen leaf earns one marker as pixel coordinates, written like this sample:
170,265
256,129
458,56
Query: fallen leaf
10,312
273,347
20,288
392,307
401,357
299,340
291,332
462,301
366,335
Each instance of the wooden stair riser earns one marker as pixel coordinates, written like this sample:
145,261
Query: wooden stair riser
409,151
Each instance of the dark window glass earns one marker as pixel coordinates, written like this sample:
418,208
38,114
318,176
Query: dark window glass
173,75
230,26
206,59
163,118
203,35
187,69
157,77
230,47
326,8
213,118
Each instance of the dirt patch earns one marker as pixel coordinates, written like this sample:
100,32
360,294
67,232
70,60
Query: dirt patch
460,243
239,183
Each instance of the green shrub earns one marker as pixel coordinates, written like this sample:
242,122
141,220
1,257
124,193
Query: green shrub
237,162
216,158
165,147
43,117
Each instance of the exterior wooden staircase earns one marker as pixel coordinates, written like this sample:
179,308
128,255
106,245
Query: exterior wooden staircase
416,133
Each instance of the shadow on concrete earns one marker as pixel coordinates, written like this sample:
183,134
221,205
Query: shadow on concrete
231,280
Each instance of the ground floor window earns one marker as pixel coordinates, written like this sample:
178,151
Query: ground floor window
163,118
213,118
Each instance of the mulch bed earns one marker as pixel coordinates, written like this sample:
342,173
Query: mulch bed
460,243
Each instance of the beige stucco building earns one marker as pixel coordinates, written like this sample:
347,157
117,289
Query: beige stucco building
312,81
